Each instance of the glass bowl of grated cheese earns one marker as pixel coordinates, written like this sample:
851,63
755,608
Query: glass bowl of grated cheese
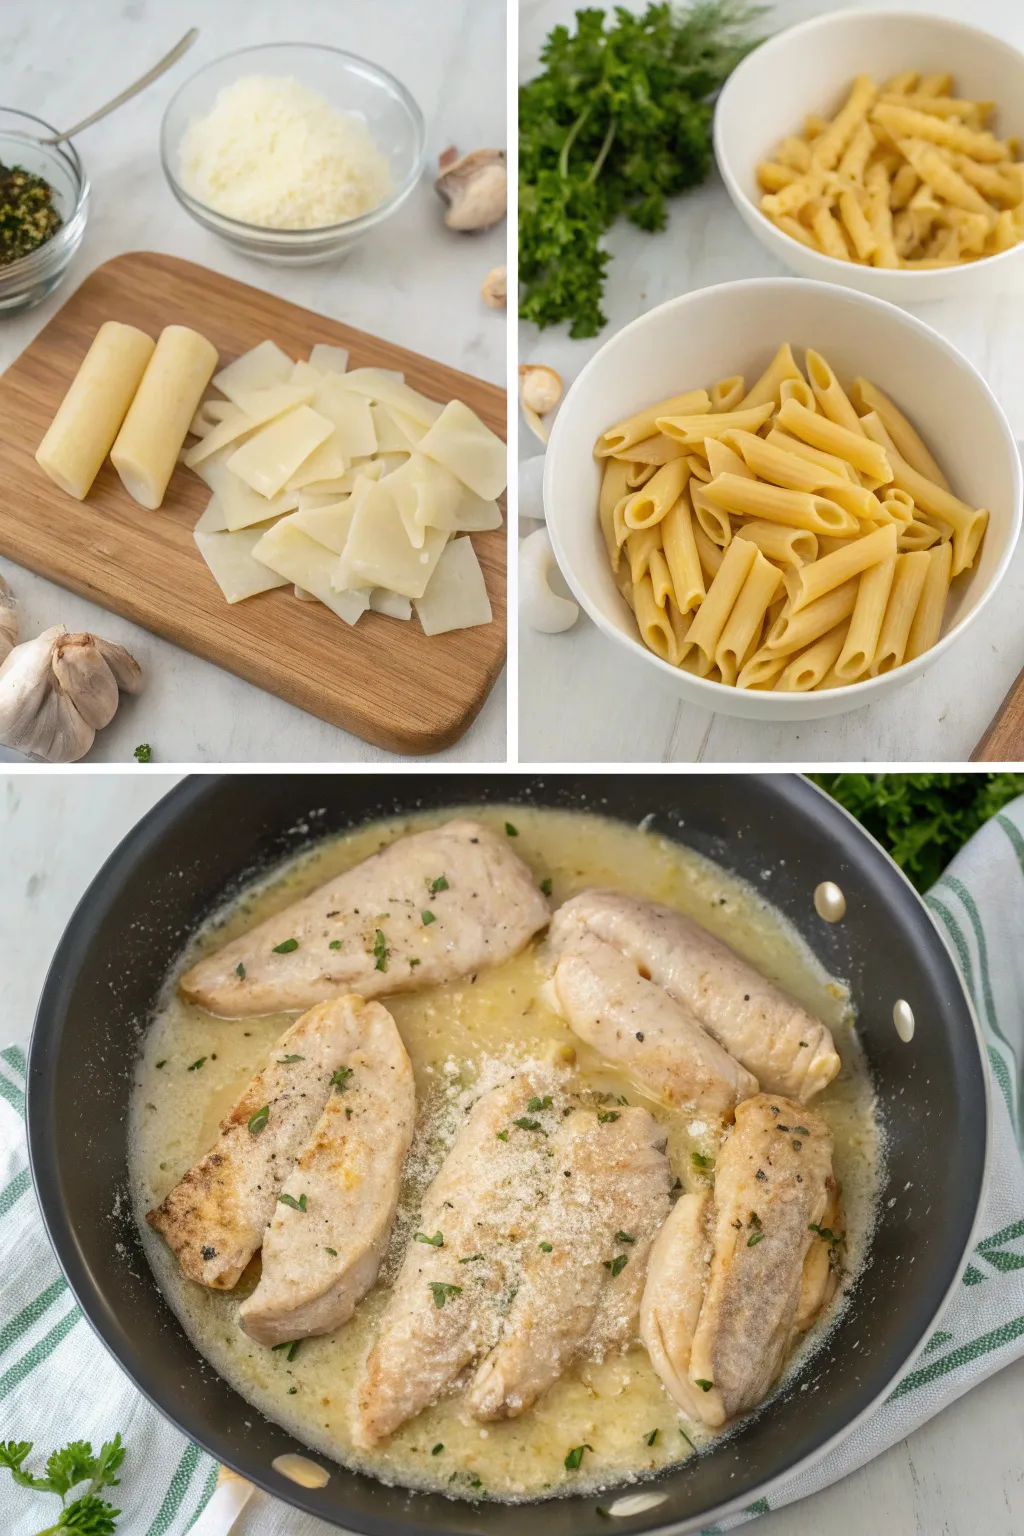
292,152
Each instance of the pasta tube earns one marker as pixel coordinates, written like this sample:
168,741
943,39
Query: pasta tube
677,534
706,630
658,449
714,520
743,626
639,547
926,625
649,505
830,461
968,523
710,554
653,622
832,398
765,390
904,123
725,460
691,430
907,585
813,581
89,417
854,447
797,509
660,578
806,670
905,439
726,394
861,641
761,670
829,146
792,631
775,463
786,546
613,491
636,428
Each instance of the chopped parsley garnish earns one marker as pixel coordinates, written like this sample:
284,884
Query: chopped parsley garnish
291,1345
502,1135
197,1064
826,1234
161,1063
286,1061
440,884
651,1437
240,971
340,1078
545,886
687,1439
604,1115
428,917
801,1130
624,1237
796,1145
441,1290
332,1251
526,1124
438,1448
754,1239
471,1258
285,947
348,1112
143,753
380,950
605,1514
701,1162
89,1515
511,831
296,1205
292,1391
544,1103
437,1241
258,1120
334,944
705,1386
575,1456
414,962
617,1265
545,1247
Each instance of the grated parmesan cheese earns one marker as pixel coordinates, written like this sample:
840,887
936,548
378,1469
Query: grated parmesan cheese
273,152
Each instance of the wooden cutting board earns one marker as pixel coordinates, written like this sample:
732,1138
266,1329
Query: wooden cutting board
1003,742
382,679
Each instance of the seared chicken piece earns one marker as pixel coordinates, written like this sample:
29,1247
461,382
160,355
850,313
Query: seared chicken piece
608,1197
214,1219
446,1307
634,1023
785,1047
321,1252
749,1252
676,1275
364,931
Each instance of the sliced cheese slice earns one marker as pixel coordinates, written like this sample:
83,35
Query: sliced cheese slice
390,389
242,506
351,416
328,525
230,559
430,496
390,437
269,458
379,552
260,368
328,359
473,453
261,406
456,597
294,555
325,463
390,603
212,520
209,415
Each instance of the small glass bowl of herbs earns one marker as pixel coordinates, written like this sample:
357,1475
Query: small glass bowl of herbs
44,199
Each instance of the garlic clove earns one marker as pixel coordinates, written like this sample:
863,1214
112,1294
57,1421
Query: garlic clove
126,670
495,288
540,390
59,733
8,621
475,187
83,675
539,606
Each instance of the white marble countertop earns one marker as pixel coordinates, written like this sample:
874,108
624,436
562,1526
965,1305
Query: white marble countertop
413,281
962,1473
584,700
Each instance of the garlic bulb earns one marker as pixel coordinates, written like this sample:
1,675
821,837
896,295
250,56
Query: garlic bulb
58,690
8,621
540,390
474,186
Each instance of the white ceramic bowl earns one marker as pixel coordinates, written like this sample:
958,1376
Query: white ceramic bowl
810,68
736,328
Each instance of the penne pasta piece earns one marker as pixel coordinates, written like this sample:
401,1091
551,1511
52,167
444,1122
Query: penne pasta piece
714,520
821,576
761,670
828,231
613,491
658,449
660,578
997,182
800,391
693,430
794,197
786,546
713,614
868,397
904,184
772,177
857,449
709,553
619,524
653,622
855,156
636,428
765,390
897,506
830,144
935,85
639,547
699,467
904,597
861,641
638,475
794,152
904,123
624,584
840,467
650,504
859,232
832,398
915,535
679,544
926,625
901,84
807,669
797,509
774,463
723,459
968,523
680,626
796,230
791,632
943,179
726,394
743,626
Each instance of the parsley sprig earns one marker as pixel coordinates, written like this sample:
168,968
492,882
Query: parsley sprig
67,1469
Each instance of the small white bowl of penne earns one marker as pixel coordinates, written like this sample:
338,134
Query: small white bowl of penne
881,150
789,498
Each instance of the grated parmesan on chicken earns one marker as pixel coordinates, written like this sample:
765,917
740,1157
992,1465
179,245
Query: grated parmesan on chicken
273,152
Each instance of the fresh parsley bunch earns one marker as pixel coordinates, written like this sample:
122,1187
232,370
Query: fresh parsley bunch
922,819
88,1515
618,122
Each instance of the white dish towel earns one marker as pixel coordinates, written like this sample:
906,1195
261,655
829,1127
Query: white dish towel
58,1383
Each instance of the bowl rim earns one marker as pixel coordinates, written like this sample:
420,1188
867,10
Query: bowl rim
830,265
296,236
25,267
711,695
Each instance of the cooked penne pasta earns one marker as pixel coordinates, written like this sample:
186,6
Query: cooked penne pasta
805,541
884,181
636,428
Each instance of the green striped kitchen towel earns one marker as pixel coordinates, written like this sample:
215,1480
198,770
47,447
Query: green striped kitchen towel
58,1383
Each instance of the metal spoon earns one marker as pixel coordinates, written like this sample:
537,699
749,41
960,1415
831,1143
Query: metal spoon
132,90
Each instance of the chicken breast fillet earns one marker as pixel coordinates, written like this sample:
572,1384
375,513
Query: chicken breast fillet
446,1307
785,1047
215,1218
321,1252
608,1197
636,1024
733,1278
364,931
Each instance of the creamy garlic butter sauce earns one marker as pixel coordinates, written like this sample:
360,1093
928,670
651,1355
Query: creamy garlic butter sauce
460,1037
